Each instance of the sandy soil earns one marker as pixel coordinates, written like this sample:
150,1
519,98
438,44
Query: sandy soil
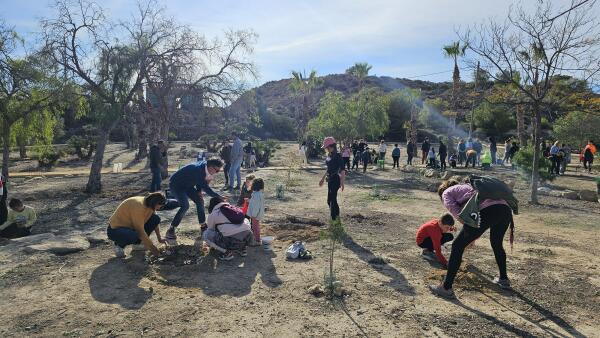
554,267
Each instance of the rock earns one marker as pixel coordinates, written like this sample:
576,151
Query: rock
588,195
33,239
431,173
571,195
409,169
60,245
511,184
555,193
97,236
544,191
447,174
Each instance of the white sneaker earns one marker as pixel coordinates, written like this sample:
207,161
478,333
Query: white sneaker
119,252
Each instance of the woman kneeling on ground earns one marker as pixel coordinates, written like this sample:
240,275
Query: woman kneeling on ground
223,232
495,215
134,220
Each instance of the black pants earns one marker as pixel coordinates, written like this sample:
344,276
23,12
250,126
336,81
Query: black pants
365,164
396,161
347,162
428,244
355,164
409,159
226,172
14,231
587,164
554,169
471,159
126,236
497,218
333,185
443,162
432,162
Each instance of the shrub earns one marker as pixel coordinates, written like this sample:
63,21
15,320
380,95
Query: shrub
47,156
524,161
335,233
264,150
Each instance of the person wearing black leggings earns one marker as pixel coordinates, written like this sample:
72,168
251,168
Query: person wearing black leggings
497,218
495,215
335,175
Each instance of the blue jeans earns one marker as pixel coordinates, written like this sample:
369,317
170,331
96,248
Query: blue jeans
494,160
234,171
182,198
156,179
126,236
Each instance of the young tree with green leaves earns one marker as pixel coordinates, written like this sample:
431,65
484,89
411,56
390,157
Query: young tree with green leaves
302,85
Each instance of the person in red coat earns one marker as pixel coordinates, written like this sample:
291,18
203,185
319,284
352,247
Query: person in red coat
432,235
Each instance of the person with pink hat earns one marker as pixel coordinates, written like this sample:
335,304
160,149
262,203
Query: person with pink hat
335,175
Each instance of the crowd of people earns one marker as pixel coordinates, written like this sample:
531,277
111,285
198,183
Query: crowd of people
481,203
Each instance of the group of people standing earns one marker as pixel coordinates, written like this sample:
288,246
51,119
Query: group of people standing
560,154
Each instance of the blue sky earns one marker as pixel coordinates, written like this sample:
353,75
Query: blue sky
399,38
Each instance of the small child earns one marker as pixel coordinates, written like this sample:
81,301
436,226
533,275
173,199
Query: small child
396,156
245,192
432,235
431,157
256,208
19,221
453,158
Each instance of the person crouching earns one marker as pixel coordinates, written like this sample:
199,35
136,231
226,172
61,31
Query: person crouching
133,222
227,234
432,235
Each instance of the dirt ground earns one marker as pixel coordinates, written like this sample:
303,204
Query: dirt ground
554,267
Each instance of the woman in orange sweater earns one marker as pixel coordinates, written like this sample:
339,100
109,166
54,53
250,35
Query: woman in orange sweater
134,220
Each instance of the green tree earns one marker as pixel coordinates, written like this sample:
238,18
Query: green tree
302,86
360,71
577,127
363,114
335,233
494,119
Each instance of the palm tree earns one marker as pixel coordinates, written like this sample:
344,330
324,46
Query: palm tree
360,71
454,51
302,86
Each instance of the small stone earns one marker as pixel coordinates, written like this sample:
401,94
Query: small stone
588,195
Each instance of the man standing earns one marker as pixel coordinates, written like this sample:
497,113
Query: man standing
189,182
425,150
155,159
493,149
225,155
237,156
478,147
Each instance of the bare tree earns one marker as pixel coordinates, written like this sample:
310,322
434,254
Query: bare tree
190,65
529,49
108,59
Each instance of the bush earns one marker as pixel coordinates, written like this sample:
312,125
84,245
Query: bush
264,150
524,161
83,143
47,156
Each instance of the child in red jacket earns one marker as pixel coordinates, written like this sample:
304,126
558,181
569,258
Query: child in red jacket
432,235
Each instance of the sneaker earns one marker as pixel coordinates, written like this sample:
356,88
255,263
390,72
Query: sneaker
439,290
170,236
119,252
502,283
226,256
429,255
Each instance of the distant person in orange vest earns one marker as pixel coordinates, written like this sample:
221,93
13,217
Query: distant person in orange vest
588,155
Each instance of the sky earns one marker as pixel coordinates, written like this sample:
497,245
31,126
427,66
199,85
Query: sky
401,38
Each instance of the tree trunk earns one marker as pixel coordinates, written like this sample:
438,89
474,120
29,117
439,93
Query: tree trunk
142,127
537,139
94,184
5,148
413,127
22,151
521,133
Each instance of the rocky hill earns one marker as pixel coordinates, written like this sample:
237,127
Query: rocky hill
278,106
